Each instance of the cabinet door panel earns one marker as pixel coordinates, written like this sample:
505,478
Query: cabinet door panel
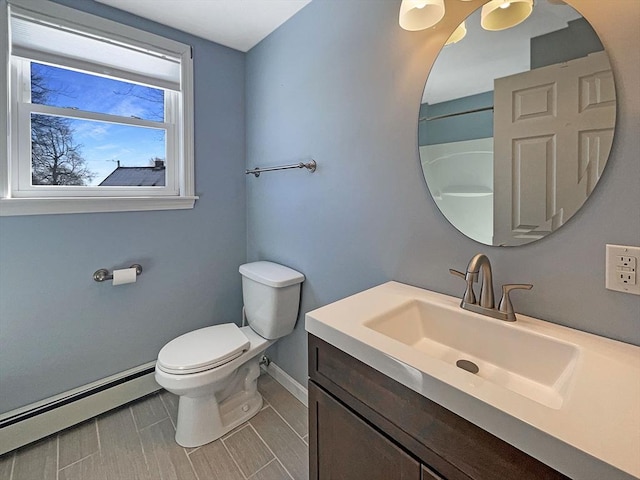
428,474
347,448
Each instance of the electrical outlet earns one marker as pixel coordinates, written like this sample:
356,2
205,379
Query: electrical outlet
621,269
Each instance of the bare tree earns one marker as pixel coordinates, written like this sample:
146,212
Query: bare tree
55,158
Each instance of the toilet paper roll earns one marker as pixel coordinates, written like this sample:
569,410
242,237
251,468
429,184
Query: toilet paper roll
124,276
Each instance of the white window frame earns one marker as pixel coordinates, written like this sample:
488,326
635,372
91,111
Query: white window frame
18,197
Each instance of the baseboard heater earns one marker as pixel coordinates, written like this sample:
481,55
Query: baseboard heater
38,420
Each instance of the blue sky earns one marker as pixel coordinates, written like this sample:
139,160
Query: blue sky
103,144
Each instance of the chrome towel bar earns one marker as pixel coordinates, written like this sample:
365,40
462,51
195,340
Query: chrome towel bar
311,166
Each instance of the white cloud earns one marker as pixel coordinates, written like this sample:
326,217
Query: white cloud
92,130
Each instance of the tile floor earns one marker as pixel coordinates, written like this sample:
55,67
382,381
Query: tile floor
136,442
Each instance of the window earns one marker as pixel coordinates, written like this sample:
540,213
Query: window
99,115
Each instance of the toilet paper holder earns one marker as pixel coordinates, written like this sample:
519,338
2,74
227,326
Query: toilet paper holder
103,274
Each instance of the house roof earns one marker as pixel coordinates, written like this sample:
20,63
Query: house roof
135,176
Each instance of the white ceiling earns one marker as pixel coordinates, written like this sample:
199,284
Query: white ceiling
239,24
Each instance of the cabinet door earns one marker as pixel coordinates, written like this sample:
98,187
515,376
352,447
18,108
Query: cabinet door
344,447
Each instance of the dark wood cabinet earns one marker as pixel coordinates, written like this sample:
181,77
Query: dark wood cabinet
351,448
365,425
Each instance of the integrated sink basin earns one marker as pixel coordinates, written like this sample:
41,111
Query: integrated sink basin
567,397
503,354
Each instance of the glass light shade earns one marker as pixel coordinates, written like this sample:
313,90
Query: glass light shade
458,34
503,14
420,14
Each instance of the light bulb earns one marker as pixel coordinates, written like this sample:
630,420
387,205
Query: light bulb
458,34
501,14
420,14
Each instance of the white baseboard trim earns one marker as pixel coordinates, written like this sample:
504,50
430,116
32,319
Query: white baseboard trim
284,379
37,425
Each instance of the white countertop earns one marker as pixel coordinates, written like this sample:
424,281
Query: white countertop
595,434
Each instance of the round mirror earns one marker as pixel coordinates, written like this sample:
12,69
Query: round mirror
516,125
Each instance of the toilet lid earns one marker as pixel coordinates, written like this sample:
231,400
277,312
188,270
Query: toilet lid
203,349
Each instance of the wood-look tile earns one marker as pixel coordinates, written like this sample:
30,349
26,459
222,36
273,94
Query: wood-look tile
89,468
213,462
288,406
6,465
249,452
170,402
77,443
273,471
125,467
137,442
37,461
148,411
121,450
166,459
288,447
239,427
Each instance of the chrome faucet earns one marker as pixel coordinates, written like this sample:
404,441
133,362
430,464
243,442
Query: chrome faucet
481,265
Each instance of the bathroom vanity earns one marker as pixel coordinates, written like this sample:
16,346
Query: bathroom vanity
387,401
364,424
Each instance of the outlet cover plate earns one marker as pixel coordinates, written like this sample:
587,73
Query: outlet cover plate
617,266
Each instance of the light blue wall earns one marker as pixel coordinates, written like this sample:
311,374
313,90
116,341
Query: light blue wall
341,82
58,328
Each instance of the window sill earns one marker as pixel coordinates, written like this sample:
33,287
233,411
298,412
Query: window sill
56,205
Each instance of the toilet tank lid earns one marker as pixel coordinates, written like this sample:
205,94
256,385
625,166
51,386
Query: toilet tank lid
271,274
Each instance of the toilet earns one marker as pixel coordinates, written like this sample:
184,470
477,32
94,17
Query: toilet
214,370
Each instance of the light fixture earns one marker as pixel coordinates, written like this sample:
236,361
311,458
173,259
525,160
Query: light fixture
420,14
458,34
502,14
496,15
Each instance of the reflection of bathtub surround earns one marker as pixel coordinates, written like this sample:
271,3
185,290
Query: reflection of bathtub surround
460,178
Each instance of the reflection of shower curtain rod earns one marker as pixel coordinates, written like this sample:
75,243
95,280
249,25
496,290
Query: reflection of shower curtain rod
447,115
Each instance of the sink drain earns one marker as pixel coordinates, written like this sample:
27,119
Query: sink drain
468,366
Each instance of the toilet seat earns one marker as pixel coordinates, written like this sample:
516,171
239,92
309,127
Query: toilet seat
203,349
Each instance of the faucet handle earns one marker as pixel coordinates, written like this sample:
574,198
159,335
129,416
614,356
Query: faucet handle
457,274
505,305
468,297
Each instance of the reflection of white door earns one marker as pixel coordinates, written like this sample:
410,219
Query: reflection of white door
553,128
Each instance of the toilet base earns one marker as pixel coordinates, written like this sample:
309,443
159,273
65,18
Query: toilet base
204,419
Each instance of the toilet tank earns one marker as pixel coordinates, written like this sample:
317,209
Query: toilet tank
271,295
